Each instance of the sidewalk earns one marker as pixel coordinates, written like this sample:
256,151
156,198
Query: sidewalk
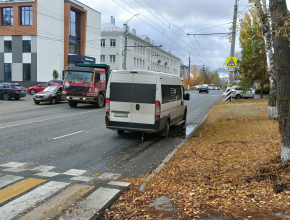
226,170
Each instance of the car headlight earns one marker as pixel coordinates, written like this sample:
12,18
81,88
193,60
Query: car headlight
64,92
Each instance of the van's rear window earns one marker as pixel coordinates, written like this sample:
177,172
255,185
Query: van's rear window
133,92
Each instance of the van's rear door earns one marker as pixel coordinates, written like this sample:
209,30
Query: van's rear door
143,103
121,98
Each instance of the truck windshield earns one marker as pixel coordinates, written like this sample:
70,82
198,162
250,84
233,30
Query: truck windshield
79,76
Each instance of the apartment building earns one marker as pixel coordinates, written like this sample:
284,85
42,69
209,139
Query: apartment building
141,51
38,36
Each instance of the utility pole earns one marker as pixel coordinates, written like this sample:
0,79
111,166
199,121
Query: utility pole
231,73
188,86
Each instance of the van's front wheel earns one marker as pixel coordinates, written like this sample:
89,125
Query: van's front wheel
165,131
72,104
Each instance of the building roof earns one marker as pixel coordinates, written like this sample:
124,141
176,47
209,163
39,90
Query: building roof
182,65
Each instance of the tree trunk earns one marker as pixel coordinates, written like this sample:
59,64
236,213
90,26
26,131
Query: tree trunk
278,9
262,90
266,30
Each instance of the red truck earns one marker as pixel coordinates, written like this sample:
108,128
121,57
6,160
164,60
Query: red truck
86,83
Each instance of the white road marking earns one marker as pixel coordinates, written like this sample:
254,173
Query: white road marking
74,172
43,168
5,180
48,119
13,164
14,170
109,176
47,174
117,183
92,203
67,135
26,201
82,178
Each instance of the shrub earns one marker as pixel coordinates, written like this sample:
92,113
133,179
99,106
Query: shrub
266,90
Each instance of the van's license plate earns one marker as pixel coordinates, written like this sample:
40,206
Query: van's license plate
119,114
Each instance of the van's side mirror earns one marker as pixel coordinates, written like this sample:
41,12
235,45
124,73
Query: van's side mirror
187,97
97,78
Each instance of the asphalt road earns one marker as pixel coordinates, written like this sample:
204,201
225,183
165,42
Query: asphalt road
64,146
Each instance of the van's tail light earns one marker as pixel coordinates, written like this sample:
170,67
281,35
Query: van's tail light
157,109
107,107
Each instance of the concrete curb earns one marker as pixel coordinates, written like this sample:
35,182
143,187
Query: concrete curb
169,156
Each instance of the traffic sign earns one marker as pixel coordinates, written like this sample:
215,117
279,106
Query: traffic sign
232,61
231,68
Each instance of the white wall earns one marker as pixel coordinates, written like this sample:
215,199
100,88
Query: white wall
50,52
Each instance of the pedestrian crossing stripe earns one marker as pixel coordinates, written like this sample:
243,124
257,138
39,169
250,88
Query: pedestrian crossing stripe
232,62
41,199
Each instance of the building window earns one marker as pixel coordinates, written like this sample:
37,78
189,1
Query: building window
7,16
143,50
134,61
7,46
26,72
103,43
143,63
137,61
112,58
26,15
7,71
103,58
74,33
26,45
113,42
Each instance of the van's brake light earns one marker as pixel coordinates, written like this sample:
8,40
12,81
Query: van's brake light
107,107
157,109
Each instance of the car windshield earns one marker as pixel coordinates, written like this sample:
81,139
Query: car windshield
16,87
50,89
79,76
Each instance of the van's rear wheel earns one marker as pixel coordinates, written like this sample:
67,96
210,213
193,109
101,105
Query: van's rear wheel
165,131
101,101
72,104
120,131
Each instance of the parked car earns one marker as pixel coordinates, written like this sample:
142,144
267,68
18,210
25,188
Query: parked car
210,87
218,88
238,93
11,90
203,89
60,82
38,88
51,94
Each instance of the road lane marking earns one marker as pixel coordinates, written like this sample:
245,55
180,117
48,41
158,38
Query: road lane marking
48,119
109,176
18,188
43,168
94,202
17,206
12,164
82,178
47,174
74,172
117,183
53,207
6,180
67,135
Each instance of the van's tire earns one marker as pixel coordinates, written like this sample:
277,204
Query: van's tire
184,117
36,103
101,101
165,131
72,104
238,97
120,131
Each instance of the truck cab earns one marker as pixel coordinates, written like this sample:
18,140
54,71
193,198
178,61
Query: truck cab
85,84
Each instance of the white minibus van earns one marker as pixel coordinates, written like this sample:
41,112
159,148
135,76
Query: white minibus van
144,101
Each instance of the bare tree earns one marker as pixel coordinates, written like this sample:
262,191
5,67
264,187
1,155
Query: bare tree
278,9
266,30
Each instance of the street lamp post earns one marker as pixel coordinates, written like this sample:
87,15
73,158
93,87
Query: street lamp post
125,49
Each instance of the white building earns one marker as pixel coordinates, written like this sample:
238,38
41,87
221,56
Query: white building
38,36
141,51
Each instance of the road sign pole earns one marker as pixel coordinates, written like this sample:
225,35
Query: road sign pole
231,73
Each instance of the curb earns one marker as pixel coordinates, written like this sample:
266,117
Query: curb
169,156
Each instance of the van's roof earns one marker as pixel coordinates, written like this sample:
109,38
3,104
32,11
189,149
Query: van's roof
144,72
